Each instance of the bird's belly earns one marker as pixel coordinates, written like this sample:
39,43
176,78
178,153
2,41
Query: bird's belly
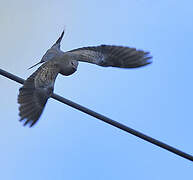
68,71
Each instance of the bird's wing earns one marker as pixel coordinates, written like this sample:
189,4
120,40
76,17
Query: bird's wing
35,92
115,56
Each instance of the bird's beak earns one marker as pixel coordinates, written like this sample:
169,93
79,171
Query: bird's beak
35,65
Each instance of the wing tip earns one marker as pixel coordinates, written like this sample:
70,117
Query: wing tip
29,121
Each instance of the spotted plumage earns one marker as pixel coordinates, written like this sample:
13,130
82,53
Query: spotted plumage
36,90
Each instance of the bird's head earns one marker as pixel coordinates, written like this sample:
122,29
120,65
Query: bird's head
52,52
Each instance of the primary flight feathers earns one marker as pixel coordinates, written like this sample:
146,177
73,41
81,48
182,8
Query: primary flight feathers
36,90
115,56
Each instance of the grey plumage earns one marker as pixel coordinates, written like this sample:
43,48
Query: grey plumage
35,92
40,85
115,56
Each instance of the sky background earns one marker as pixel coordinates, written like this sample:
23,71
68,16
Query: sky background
156,100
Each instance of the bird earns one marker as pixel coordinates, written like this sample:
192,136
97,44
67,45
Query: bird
39,86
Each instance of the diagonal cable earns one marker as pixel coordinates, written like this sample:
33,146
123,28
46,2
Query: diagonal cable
106,119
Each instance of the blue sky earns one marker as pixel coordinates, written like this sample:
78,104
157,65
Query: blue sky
156,100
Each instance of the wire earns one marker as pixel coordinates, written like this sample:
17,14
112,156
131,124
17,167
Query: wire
107,120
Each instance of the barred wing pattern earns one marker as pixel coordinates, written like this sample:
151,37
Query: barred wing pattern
35,92
115,56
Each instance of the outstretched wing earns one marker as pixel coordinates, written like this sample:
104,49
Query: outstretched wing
35,92
115,56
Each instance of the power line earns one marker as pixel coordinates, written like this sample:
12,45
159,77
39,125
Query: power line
107,120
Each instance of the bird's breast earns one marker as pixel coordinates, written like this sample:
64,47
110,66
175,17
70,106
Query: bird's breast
67,71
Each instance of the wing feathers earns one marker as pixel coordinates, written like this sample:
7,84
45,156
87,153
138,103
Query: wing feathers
39,86
35,93
115,56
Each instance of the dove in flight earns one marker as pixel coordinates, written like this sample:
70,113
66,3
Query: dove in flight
36,90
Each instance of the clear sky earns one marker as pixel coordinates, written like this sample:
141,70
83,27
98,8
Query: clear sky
156,100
